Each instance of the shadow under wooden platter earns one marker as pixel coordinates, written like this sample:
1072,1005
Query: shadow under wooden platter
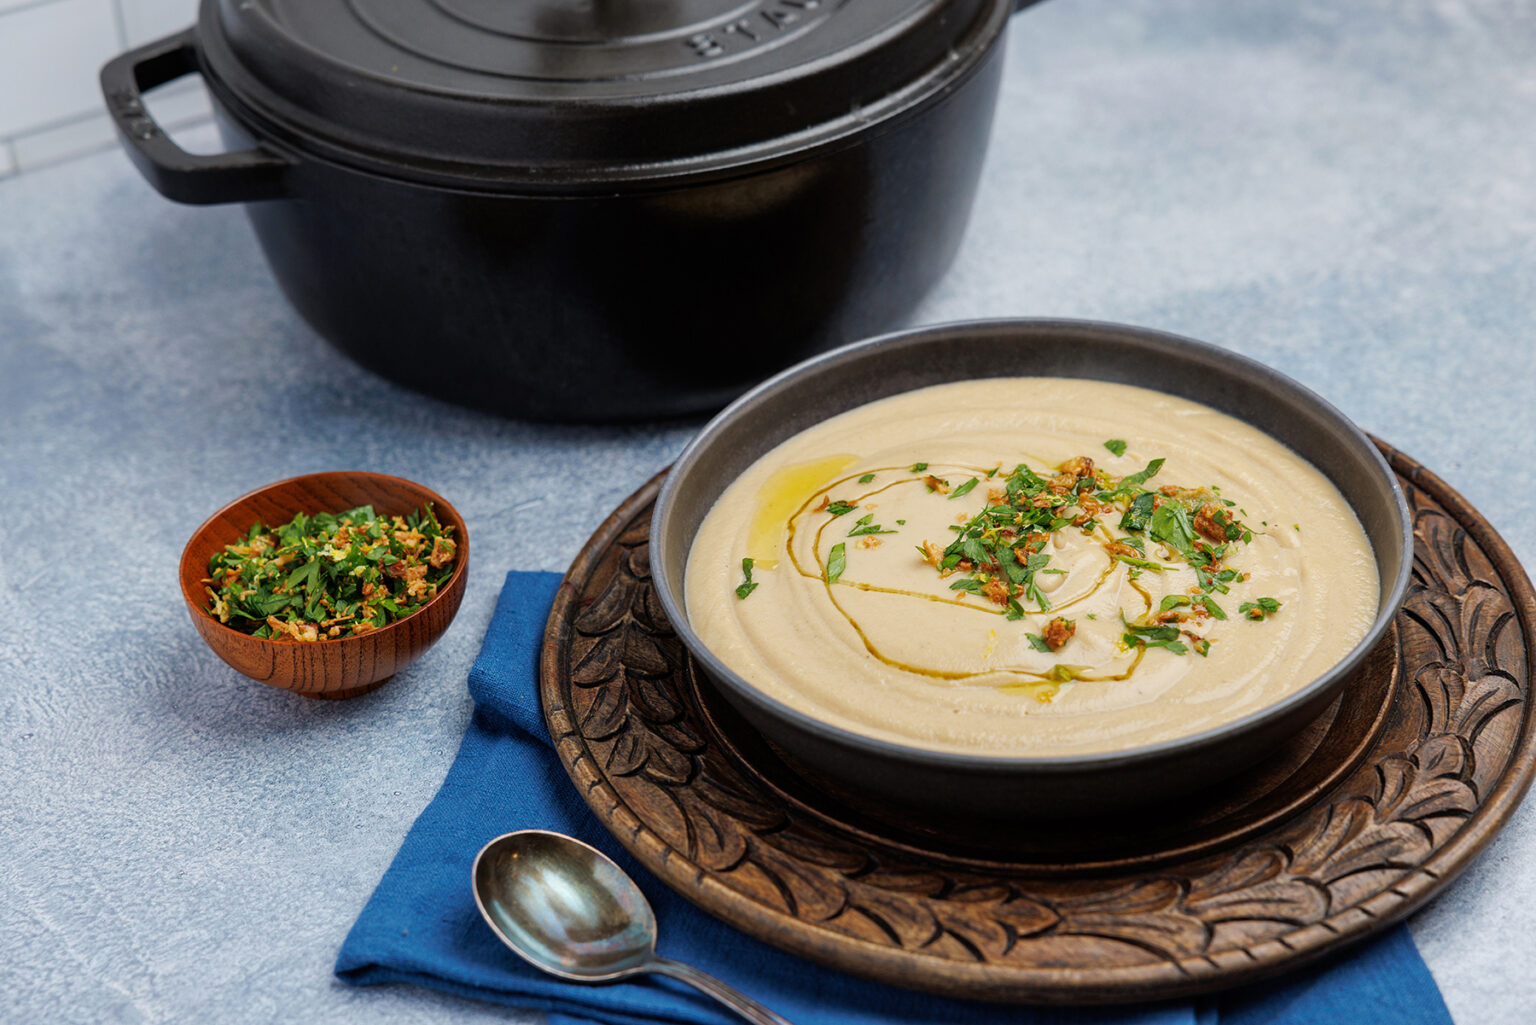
1351,826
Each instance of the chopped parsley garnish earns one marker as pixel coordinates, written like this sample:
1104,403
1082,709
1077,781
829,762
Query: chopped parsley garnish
1138,516
919,467
866,478
1000,550
999,553
1150,632
1152,636
1144,475
747,586
837,561
330,574
839,507
1131,560
1261,609
1171,525
865,526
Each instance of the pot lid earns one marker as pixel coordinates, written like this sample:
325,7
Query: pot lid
561,91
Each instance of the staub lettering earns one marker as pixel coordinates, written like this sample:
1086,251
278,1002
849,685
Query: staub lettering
742,27
704,45
774,16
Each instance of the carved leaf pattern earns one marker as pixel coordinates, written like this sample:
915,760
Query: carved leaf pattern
1443,756
905,922
652,697
682,735
1000,930
1017,917
808,844
593,660
1256,886
811,890
633,691
715,840
737,803
606,715
609,609
627,755
1460,707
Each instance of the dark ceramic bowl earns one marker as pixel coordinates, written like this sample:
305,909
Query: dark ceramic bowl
900,776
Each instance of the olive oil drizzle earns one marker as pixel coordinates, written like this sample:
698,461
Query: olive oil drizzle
779,494
1035,678
1146,596
1175,537
792,526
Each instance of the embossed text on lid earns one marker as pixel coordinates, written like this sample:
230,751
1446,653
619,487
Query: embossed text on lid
541,89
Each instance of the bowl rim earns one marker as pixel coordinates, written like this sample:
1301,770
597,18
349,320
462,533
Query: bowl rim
461,559
972,762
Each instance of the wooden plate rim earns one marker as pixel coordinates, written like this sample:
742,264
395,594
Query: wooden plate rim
1057,984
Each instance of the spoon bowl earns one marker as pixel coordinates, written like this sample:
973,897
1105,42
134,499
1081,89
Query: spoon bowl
565,907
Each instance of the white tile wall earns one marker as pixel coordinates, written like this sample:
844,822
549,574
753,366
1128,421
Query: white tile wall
11,5
61,140
50,54
144,20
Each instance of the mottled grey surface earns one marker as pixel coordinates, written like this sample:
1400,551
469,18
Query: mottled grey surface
1342,191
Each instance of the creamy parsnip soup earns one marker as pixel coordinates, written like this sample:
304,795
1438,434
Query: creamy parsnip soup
1031,567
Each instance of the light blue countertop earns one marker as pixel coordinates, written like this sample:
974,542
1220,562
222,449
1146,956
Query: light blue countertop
1345,192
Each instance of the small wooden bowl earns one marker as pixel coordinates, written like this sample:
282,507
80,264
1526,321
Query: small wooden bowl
340,667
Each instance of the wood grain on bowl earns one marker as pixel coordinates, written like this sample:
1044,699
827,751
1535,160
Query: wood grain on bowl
1350,826
340,667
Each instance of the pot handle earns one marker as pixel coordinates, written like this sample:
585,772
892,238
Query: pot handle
1019,5
176,174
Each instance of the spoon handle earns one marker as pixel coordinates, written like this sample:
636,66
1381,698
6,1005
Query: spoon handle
733,998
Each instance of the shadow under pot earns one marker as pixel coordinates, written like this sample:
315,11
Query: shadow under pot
604,214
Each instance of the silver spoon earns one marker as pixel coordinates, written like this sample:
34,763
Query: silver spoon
563,906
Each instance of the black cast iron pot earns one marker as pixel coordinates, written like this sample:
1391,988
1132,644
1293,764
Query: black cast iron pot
586,209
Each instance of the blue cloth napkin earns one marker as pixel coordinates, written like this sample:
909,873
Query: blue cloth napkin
421,924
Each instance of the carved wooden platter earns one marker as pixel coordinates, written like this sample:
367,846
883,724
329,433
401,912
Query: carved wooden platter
1355,824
